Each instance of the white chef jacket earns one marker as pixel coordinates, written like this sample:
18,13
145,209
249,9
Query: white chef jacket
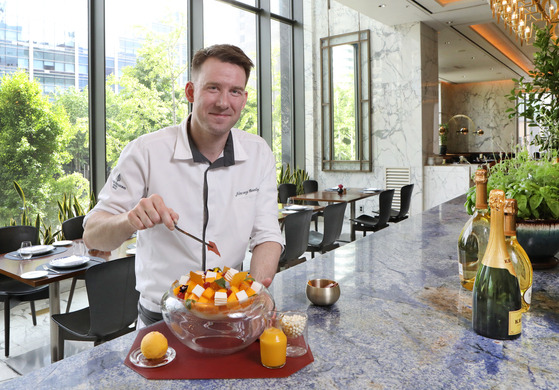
241,203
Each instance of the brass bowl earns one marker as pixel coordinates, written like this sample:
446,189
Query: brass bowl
320,294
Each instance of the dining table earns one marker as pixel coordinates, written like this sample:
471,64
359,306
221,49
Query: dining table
402,321
284,209
15,268
349,195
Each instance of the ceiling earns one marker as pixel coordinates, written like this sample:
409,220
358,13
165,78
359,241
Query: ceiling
464,55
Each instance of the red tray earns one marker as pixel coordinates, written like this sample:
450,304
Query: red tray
189,364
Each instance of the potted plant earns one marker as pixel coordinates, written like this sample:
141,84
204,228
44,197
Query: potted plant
535,186
443,134
538,100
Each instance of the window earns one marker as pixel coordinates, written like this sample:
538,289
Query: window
217,13
269,110
146,65
49,150
146,52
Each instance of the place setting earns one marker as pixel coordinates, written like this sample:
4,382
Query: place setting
29,251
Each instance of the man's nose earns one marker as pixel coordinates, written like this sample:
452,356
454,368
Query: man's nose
223,100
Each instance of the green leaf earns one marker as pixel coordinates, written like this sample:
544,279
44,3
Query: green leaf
221,282
535,201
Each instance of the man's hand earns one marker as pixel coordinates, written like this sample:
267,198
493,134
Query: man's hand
150,212
105,231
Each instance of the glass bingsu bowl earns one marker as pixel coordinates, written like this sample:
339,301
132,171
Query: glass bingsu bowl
217,330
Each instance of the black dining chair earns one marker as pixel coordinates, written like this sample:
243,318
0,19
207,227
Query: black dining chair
285,191
405,202
13,292
367,223
296,228
308,187
72,229
333,223
113,305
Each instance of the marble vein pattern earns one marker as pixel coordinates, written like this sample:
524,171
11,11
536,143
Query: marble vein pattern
402,60
402,321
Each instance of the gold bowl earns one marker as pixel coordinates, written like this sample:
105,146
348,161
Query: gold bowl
323,292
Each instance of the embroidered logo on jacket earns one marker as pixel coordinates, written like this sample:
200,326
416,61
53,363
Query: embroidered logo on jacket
116,183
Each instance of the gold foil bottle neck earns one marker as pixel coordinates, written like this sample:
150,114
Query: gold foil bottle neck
511,207
497,200
481,176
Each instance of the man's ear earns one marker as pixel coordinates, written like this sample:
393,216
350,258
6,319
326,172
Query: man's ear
189,91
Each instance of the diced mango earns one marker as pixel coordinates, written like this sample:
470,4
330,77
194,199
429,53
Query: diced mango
208,293
244,286
235,289
196,278
250,292
192,297
203,299
176,290
232,298
191,284
238,278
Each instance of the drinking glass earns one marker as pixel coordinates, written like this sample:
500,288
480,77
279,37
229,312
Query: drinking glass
79,248
294,325
273,343
24,251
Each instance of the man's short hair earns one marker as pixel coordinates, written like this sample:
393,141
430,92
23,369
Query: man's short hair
225,53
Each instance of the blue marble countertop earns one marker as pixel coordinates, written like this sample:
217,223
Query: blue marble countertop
402,321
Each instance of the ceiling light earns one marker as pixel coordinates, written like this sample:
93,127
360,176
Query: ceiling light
520,15
382,5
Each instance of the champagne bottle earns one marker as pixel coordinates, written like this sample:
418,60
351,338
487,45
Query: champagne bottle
518,256
497,308
474,235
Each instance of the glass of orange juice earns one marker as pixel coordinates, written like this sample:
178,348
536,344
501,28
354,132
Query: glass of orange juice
273,343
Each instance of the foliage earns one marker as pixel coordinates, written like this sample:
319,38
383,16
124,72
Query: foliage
344,131
160,65
298,176
538,100
46,232
76,105
32,143
533,183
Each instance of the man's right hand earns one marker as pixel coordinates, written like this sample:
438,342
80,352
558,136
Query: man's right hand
152,211
105,231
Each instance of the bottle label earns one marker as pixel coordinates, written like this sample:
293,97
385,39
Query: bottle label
515,322
460,269
502,262
528,295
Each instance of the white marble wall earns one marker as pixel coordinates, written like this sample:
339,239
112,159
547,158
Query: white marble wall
442,183
486,104
404,84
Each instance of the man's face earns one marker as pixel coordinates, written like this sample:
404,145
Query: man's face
218,95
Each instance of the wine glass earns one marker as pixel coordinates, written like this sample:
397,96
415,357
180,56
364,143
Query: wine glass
24,251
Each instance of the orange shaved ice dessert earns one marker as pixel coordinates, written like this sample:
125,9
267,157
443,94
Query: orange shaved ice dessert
154,345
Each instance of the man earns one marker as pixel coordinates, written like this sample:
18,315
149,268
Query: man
212,180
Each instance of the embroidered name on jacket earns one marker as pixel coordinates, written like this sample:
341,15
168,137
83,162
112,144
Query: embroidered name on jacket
245,193
116,183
